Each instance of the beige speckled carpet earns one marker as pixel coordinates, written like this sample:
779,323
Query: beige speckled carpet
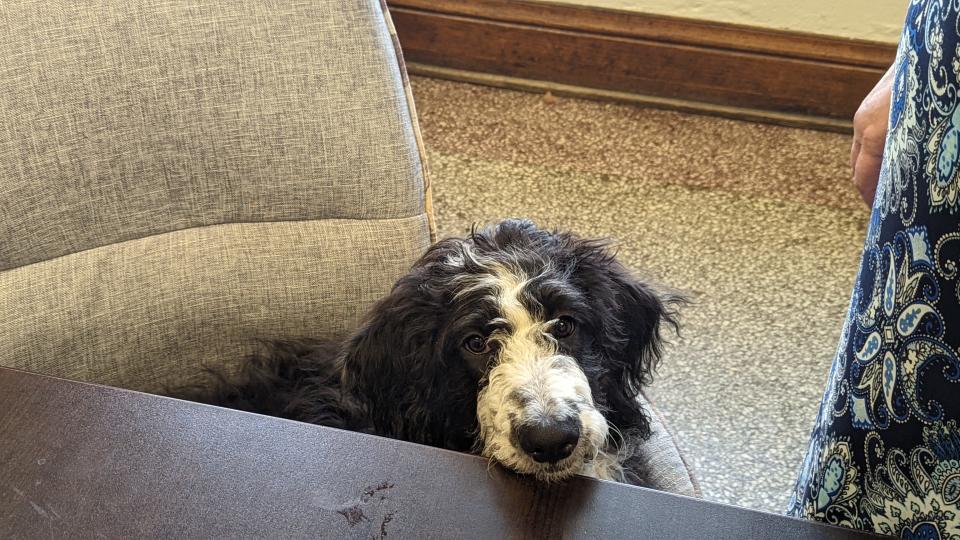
759,223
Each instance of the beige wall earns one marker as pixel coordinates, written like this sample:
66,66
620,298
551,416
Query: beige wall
876,20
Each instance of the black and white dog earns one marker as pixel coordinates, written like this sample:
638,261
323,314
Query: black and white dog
525,346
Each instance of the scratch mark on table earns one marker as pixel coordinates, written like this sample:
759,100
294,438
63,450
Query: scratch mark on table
36,507
39,509
371,491
354,515
383,524
369,507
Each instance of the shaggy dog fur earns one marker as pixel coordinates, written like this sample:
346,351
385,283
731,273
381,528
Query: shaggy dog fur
525,346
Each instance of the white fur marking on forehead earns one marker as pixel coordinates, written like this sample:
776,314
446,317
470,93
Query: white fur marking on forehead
470,282
510,284
527,339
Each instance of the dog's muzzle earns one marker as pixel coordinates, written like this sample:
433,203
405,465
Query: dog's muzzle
537,416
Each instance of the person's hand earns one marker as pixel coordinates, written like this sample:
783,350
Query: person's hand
869,137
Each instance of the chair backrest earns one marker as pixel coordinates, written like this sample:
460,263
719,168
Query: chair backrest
181,179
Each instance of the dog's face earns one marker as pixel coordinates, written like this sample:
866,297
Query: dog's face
524,345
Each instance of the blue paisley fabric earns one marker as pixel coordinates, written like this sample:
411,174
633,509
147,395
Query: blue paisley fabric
884,454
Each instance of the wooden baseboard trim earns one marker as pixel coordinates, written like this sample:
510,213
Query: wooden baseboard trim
667,60
565,90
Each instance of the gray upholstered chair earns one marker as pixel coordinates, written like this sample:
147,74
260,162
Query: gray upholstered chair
179,180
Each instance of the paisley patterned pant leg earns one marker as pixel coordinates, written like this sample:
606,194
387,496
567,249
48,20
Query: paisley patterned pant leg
884,454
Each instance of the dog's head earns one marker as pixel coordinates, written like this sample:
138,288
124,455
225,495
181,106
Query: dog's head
525,345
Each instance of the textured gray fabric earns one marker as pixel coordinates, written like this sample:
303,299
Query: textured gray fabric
145,313
668,470
180,178
123,119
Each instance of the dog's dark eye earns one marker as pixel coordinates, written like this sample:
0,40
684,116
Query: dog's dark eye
476,344
564,327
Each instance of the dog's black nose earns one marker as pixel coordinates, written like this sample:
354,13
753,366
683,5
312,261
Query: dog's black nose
551,441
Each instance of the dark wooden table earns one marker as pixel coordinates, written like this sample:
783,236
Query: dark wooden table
87,461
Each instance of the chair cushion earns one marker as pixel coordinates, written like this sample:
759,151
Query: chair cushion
144,314
668,469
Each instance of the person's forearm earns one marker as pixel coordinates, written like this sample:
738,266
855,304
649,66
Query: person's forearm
869,136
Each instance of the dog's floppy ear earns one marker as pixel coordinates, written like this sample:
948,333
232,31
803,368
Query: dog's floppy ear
632,312
393,364
643,311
